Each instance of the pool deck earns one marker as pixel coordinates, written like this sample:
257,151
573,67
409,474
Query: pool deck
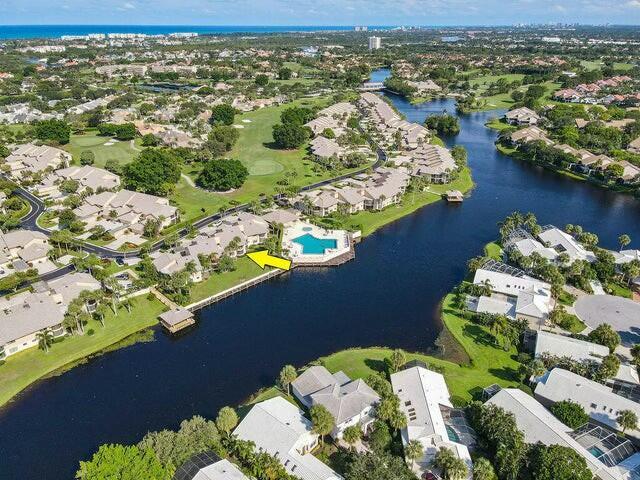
332,256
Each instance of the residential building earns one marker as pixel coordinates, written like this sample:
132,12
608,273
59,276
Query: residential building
23,249
517,297
279,428
351,402
425,401
599,401
208,466
531,134
171,263
375,43
522,116
562,242
616,458
32,158
26,314
89,178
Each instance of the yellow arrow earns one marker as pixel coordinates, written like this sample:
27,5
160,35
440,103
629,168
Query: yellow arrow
262,258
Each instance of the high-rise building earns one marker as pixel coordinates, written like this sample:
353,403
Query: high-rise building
375,43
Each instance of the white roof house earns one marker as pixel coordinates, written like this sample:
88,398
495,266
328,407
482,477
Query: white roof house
533,300
539,425
527,246
423,396
522,116
350,402
280,429
562,242
35,158
598,400
221,470
563,346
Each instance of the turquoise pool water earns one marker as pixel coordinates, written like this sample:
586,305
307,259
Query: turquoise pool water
596,452
452,434
315,246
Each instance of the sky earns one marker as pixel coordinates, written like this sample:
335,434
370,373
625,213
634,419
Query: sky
318,12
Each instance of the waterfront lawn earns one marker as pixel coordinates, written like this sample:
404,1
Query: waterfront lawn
488,364
24,368
493,250
246,269
497,124
369,221
122,152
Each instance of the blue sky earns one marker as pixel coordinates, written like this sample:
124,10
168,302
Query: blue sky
317,12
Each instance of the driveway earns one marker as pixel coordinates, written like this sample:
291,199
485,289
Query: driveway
621,313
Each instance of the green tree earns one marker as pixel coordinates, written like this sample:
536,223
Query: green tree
87,157
57,131
605,335
483,470
413,451
556,462
45,339
289,135
287,375
123,463
352,434
150,140
378,466
397,360
226,420
322,420
452,467
222,114
570,413
624,240
628,420
155,171
222,175
262,80
284,73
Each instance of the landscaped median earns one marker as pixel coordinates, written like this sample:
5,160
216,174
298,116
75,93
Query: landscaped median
26,367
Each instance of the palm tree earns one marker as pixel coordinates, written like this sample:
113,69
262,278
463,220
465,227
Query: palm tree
45,339
287,375
452,467
322,420
127,303
624,240
498,326
628,420
112,284
413,451
101,312
352,434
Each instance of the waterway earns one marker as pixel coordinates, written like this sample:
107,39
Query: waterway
388,295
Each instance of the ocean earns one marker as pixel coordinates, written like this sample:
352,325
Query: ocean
14,32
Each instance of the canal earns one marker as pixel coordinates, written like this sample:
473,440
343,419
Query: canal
388,296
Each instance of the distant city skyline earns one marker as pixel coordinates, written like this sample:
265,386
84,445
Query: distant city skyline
317,12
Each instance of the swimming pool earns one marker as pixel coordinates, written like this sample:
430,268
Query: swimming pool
595,451
313,245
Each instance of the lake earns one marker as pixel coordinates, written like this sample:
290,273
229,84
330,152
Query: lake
388,296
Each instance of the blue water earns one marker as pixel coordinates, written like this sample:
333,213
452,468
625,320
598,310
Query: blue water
313,245
596,452
55,31
238,346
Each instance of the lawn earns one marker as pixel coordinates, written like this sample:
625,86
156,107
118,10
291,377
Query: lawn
497,124
488,364
369,221
22,369
267,165
246,269
122,152
486,80
493,250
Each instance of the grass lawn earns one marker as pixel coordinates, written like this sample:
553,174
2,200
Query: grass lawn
488,364
24,368
566,298
368,221
246,269
486,80
572,323
266,165
619,290
493,250
122,152
497,124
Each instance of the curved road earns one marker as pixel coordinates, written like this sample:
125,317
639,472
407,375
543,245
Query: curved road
29,222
